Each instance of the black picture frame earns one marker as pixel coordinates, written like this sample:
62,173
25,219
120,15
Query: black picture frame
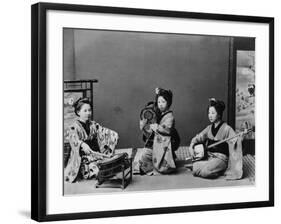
39,110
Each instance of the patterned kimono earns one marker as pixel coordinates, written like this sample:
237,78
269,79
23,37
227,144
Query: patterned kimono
225,158
165,142
98,138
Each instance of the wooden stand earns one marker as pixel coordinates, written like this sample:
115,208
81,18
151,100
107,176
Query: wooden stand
110,171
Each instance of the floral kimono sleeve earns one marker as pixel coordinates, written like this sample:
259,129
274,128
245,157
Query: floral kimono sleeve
166,124
73,165
107,139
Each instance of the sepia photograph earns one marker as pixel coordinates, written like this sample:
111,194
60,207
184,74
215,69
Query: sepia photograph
150,111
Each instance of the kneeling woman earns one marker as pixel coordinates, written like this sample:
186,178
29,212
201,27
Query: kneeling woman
223,159
90,143
164,140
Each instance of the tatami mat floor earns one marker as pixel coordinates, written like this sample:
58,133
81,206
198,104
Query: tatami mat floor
182,179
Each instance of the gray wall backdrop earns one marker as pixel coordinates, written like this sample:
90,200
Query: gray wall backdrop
129,65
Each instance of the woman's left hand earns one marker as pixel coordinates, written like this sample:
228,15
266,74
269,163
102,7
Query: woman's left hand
86,149
109,152
154,127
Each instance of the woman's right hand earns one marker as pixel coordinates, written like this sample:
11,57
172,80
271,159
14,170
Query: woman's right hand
85,148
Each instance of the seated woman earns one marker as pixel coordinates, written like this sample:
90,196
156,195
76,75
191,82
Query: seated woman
225,158
163,138
90,143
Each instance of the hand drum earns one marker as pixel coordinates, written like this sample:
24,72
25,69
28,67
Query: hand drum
148,113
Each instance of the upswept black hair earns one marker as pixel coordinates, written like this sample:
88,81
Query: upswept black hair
166,94
218,105
79,103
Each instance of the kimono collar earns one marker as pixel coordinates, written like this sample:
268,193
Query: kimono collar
216,129
86,126
162,115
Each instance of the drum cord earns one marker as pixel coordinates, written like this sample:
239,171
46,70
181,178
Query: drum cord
153,132
148,138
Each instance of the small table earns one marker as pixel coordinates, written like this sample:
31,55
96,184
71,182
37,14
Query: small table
110,168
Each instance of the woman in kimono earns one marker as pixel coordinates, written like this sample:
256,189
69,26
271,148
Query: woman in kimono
225,158
90,143
160,147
